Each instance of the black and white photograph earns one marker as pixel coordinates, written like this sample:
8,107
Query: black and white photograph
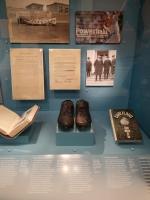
96,27
38,21
100,67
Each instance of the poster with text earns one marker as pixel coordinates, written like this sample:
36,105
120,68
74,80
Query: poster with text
98,27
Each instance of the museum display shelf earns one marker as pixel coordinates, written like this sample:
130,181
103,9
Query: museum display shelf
40,169
75,137
43,139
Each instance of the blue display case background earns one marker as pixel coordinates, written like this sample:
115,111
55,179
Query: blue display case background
132,70
140,87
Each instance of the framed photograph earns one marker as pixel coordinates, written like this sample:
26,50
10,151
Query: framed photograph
38,21
100,67
98,27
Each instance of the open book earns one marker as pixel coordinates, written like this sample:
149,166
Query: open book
11,124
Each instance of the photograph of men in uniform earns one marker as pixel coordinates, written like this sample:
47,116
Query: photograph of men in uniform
107,67
113,64
88,67
102,67
98,65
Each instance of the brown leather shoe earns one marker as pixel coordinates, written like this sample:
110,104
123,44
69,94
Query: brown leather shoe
83,117
66,116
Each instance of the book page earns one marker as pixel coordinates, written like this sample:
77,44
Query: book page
64,68
18,124
7,119
19,128
27,74
30,113
24,121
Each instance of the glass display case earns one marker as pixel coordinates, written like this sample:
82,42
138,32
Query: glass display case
42,164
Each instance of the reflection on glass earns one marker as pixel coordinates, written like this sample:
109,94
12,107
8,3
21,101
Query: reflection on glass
65,156
65,169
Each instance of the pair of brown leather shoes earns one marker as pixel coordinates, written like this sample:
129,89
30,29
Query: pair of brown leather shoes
82,115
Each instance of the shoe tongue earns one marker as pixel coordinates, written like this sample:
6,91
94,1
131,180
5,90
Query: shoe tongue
67,108
82,109
83,105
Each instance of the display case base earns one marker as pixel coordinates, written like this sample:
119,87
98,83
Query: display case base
75,137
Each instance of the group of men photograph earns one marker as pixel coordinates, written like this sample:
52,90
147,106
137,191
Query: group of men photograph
104,67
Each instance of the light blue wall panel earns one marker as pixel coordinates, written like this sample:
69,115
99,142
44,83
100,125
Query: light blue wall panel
101,98
140,88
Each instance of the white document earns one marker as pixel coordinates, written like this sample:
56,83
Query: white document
64,69
27,74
